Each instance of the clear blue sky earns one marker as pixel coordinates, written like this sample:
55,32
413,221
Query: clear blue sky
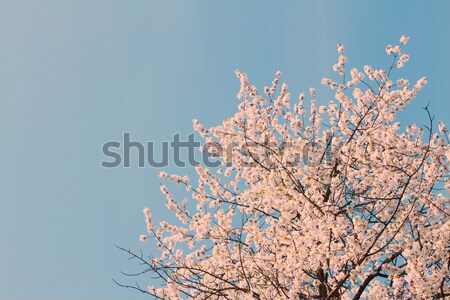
75,74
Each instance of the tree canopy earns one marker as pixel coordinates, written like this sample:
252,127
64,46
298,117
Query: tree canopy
334,201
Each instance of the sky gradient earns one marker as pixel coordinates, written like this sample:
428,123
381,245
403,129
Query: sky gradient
76,74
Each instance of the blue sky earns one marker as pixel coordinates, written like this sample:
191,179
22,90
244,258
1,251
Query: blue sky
75,74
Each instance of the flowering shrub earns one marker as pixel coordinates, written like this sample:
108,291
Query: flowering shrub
365,216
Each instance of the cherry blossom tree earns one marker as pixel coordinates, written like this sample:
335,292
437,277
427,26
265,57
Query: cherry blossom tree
312,201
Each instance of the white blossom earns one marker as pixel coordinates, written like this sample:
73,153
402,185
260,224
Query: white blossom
319,199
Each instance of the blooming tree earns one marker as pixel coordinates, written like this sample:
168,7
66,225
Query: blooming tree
325,202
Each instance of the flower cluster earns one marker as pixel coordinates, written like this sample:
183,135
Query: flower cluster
366,216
